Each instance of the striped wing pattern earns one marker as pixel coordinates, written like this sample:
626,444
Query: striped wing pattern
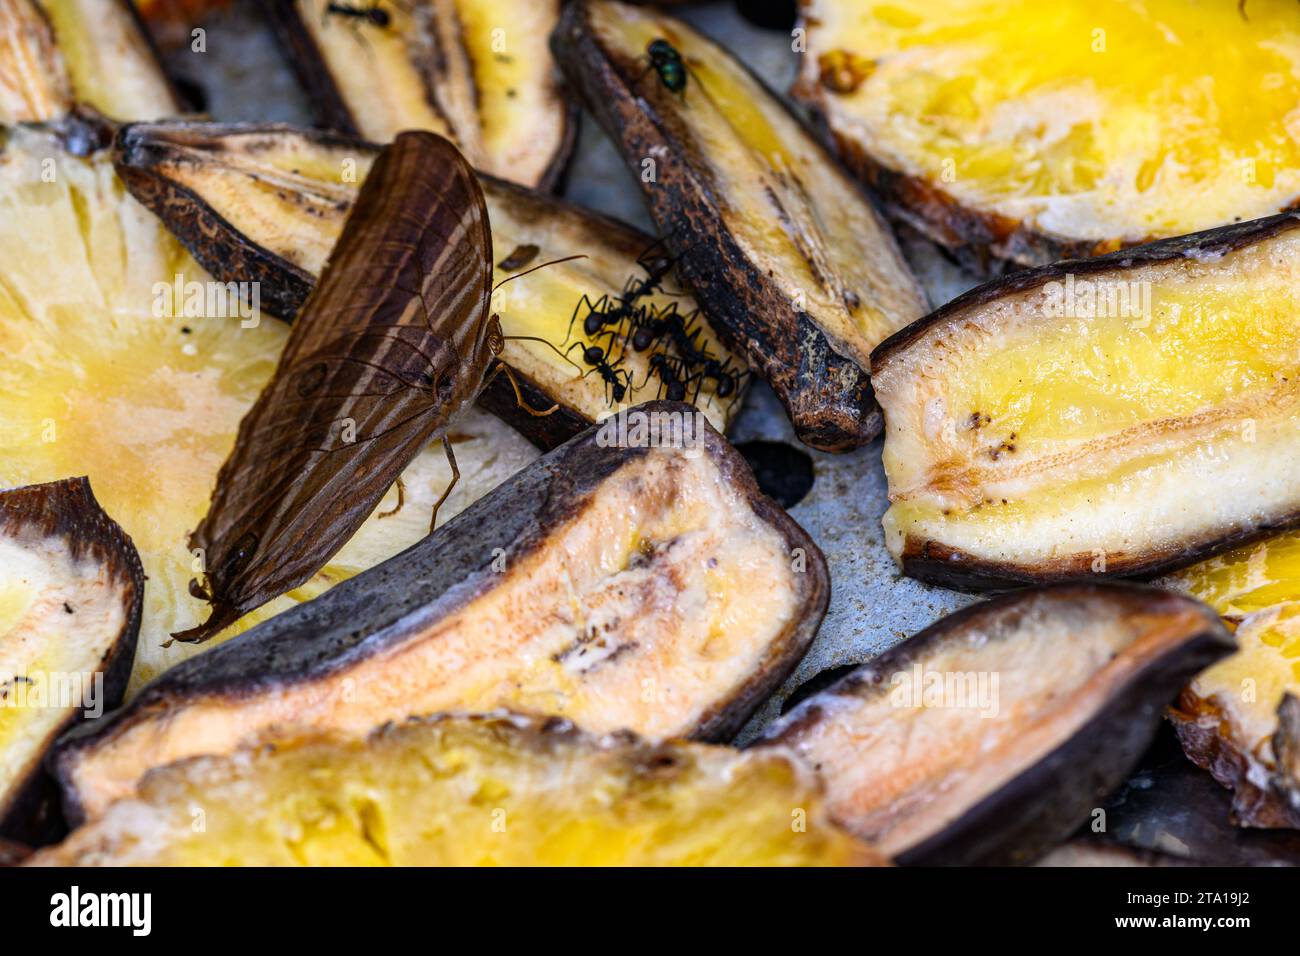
390,344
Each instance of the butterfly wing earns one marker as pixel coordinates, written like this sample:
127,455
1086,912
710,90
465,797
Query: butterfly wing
383,352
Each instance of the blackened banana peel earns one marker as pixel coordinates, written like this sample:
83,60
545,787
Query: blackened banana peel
618,585
1263,774
1231,719
71,589
774,239
992,735
1124,415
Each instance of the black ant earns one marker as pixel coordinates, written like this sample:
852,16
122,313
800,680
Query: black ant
721,373
602,313
673,375
657,323
669,371
595,318
656,270
641,321
599,316
652,326
616,380
684,339
648,333
374,14
624,321
689,355
627,310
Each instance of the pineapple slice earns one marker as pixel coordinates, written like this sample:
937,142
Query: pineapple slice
107,384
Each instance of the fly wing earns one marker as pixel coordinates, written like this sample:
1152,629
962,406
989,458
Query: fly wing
381,355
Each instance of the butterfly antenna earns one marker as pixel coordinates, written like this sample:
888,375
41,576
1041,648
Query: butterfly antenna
520,275
549,344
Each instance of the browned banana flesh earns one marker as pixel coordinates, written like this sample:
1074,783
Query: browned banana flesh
475,71
990,736
55,54
633,578
71,590
1123,415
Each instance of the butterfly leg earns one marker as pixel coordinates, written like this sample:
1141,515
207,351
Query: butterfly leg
455,477
519,396
401,500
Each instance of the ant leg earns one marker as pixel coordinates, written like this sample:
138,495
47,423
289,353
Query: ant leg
574,318
610,338
401,499
628,326
575,345
455,477
599,307
649,372
355,27
699,384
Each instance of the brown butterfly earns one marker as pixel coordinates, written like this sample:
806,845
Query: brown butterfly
394,340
